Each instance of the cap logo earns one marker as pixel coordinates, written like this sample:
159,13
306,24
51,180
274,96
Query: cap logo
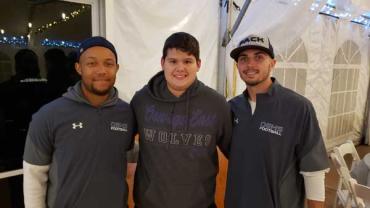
253,42
252,39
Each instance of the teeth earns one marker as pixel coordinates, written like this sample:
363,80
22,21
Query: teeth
251,72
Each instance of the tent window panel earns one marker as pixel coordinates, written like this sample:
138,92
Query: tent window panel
340,103
279,58
339,58
356,59
346,73
350,80
349,123
343,124
354,96
352,116
344,90
290,78
335,80
330,128
299,56
301,81
347,48
348,102
340,125
335,106
337,126
333,102
342,80
355,82
278,73
296,45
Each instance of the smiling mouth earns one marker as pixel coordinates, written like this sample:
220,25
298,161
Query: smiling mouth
250,73
180,76
101,80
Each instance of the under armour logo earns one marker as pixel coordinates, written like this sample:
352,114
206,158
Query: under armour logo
75,125
236,120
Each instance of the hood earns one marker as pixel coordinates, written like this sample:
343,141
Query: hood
157,88
74,93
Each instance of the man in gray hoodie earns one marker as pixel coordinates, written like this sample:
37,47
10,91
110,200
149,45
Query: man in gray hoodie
180,122
75,154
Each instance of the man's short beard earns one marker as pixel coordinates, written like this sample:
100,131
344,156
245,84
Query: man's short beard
99,92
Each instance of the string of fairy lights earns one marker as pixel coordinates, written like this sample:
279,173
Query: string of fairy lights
23,41
63,19
330,10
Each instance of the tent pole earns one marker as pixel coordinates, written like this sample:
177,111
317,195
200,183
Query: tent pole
366,121
225,24
229,34
225,19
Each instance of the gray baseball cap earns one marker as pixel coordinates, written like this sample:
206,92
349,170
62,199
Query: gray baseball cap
253,42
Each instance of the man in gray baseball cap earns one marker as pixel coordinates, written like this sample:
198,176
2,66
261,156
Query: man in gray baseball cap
277,156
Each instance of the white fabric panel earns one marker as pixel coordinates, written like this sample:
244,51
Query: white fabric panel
139,28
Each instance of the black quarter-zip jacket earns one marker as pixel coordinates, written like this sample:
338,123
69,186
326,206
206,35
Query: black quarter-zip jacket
178,160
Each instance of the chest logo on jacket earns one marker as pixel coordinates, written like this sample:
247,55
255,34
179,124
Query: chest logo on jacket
117,126
271,128
77,125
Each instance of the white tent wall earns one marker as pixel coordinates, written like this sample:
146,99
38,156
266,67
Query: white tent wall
323,41
139,28
314,54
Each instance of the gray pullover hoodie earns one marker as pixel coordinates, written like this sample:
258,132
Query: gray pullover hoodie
178,160
86,149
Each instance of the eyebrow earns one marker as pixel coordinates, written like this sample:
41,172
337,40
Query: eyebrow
95,58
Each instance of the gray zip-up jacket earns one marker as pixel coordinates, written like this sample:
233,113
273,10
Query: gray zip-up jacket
270,147
85,148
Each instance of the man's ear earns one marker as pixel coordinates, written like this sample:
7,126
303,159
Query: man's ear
199,64
273,62
78,68
162,62
272,65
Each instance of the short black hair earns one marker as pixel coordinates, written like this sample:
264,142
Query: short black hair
182,41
